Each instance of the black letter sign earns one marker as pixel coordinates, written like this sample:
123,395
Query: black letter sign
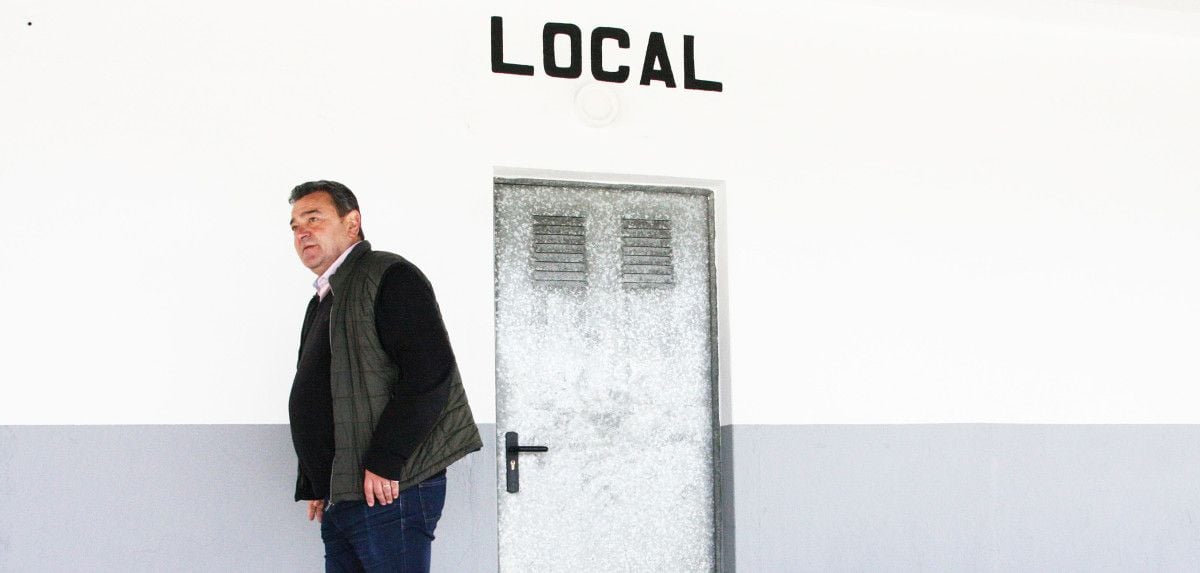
499,66
598,71
656,52
689,69
549,31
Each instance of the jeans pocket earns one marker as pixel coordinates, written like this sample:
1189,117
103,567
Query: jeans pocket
432,499
385,532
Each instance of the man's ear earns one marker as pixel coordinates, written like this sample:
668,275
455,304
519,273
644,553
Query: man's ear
354,222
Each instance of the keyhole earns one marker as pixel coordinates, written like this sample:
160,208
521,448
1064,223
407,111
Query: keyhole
512,465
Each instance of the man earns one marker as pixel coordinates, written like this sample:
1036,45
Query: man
377,408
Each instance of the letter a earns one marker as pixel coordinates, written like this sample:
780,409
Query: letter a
656,53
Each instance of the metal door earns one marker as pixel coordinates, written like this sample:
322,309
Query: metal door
605,356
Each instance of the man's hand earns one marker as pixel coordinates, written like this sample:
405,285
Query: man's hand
316,509
378,488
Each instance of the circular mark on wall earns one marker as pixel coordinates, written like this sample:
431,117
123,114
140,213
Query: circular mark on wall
597,104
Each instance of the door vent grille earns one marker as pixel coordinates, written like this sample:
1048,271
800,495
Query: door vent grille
559,252
646,258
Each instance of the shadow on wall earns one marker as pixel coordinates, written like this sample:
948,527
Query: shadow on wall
728,525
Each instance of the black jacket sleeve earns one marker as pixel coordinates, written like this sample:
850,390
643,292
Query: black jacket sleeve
304,489
410,327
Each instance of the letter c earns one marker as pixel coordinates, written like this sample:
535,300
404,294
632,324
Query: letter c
598,71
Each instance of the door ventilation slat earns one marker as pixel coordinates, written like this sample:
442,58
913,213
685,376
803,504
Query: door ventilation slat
646,258
559,253
644,242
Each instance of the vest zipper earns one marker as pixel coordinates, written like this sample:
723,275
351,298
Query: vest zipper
330,335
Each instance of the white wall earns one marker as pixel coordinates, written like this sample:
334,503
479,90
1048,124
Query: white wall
933,211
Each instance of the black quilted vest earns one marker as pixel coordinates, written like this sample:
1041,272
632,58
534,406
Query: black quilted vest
362,378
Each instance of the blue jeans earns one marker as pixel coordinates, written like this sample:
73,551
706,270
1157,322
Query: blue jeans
394,537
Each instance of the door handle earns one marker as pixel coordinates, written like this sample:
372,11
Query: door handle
512,467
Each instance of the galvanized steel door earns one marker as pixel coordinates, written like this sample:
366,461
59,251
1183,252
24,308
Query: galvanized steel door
605,355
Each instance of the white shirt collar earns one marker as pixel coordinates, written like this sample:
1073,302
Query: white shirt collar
322,283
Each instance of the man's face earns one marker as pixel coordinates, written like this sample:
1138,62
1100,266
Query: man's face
320,235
